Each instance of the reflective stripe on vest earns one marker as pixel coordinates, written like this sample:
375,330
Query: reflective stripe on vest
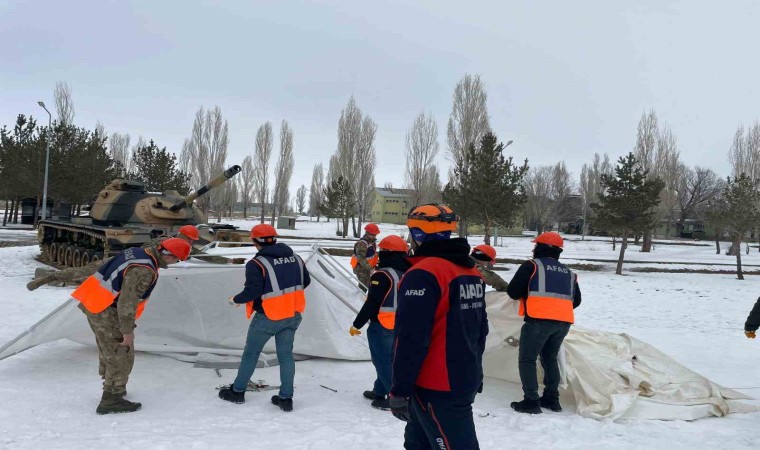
542,304
387,314
371,257
280,303
100,290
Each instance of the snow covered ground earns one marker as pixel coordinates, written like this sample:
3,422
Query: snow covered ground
48,394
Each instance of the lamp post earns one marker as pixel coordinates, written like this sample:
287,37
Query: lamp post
47,160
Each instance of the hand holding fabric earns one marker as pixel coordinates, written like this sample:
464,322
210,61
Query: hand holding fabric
353,331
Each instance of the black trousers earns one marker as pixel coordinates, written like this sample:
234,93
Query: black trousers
541,338
441,423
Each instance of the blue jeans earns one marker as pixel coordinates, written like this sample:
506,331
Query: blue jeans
541,338
380,341
259,332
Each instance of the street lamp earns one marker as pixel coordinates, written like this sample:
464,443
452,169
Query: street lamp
47,160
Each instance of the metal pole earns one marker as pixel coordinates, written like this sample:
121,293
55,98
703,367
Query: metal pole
47,160
583,227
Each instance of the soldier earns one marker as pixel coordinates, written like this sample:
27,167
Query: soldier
190,234
364,258
484,256
113,298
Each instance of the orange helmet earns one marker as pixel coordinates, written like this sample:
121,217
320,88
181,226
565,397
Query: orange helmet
371,228
432,218
393,243
484,252
175,246
263,233
550,238
189,231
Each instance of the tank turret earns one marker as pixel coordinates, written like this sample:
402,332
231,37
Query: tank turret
124,214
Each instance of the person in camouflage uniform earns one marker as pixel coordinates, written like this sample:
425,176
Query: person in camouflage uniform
190,234
114,326
364,258
484,256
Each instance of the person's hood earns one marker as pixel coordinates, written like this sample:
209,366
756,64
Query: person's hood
275,251
394,260
546,251
455,250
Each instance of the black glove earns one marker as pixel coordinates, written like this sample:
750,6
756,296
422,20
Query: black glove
400,408
480,389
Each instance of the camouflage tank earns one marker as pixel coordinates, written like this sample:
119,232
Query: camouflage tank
122,215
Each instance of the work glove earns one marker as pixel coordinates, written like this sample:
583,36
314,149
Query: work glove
231,301
400,408
353,331
749,334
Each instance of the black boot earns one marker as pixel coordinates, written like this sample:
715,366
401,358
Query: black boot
551,403
526,406
230,395
381,403
111,404
285,404
370,395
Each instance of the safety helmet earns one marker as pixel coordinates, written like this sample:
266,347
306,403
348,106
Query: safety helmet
484,252
371,228
263,233
432,218
190,231
175,246
550,238
393,243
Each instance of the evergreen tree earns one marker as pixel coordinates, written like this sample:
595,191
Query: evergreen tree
339,201
628,201
159,170
488,190
740,209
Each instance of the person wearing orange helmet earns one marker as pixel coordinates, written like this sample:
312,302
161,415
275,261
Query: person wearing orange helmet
440,335
113,297
364,257
380,310
548,293
485,256
275,281
189,233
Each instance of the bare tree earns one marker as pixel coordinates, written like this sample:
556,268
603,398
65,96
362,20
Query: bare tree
538,189
432,187
421,150
699,187
301,199
316,191
365,183
247,176
206,153
100,130
120,151
261,156
591,184
468,123
64,105
744,154
184,162
562,187
283,171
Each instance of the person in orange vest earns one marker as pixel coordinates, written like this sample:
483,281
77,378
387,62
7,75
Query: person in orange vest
113,298
380,310
275,281
440,336
364,257
485,256
188,233
548,293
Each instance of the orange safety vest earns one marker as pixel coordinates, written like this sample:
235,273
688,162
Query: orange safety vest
101,289
554,302
280,303
387,314
371,257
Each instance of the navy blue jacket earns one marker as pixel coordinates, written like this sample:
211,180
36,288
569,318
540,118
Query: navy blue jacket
257,283
441,323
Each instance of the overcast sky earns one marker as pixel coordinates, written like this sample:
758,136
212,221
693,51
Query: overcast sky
564,79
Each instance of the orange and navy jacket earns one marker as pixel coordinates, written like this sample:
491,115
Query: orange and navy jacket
274,270
382,296
101,290
441,323
546,288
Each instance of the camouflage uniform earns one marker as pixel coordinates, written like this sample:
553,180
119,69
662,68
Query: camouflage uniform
492,279
195,253
71,276
362,270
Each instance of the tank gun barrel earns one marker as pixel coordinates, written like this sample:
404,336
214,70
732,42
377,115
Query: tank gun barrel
221,178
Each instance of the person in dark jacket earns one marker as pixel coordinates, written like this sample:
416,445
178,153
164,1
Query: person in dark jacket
548,292
275,280
441,329
380,311
753,321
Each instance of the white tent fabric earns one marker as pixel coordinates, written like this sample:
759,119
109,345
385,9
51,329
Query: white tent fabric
611,376
188,314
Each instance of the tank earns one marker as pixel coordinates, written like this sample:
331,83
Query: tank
123,215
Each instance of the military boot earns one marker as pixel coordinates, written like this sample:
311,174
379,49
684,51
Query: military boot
111,403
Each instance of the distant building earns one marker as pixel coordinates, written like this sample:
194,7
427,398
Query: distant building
391,205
